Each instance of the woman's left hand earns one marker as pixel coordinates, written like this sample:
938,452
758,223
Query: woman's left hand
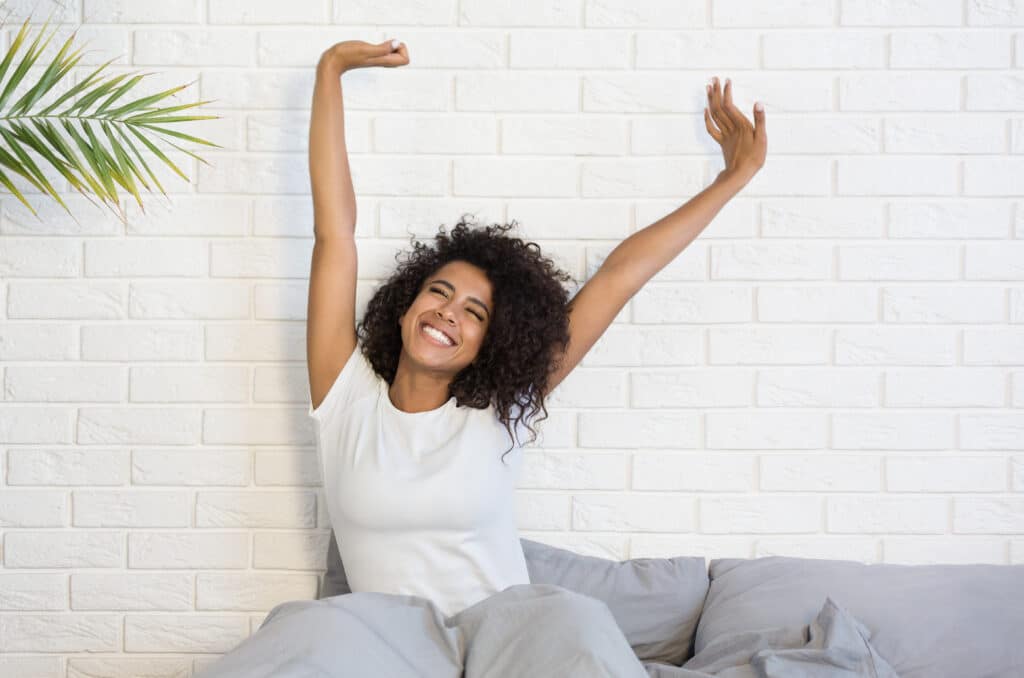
744,145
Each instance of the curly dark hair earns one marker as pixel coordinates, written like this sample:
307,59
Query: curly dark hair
529,328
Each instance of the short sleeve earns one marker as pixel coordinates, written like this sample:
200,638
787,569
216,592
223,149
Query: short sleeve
355,380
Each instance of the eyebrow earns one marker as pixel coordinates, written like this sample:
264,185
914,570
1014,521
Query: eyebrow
452,288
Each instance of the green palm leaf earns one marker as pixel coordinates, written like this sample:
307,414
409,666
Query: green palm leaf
92,141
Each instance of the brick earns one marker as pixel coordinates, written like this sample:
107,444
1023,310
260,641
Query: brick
761,514
936,473
878,514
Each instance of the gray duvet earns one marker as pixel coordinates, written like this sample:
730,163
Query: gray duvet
536,630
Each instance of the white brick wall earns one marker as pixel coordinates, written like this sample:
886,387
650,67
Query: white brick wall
834,369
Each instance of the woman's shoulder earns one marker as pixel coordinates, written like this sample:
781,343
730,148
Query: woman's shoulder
357,379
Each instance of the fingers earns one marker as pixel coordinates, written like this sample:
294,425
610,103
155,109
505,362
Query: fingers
712,130
734,114
759,122
718,113
399,54
383,48
724,111
715,134
389,53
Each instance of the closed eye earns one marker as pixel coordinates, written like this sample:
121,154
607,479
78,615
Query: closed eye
441,292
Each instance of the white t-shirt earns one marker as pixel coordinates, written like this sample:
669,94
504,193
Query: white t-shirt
421,502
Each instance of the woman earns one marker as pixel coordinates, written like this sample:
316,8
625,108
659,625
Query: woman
456,346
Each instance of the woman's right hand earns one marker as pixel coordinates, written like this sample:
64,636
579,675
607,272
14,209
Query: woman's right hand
349,54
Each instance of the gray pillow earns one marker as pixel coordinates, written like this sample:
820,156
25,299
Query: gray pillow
335,581
655,601
927,621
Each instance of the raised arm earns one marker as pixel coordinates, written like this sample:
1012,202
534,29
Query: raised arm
330,316
334,200
640,256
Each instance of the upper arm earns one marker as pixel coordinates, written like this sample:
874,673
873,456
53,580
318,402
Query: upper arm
331,312
591,311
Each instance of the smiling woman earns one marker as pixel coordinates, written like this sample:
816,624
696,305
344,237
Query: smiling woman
500,302
412,406
447,316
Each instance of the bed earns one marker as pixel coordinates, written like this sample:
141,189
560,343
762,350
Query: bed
768,617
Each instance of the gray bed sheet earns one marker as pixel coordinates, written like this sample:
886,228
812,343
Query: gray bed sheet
536,630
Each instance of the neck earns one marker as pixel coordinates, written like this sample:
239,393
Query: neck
418,391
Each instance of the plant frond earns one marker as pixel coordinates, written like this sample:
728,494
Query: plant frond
95,161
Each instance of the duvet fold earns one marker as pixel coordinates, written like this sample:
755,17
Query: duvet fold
834,645
375,634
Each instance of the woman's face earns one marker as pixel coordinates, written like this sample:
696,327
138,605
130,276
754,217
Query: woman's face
457,299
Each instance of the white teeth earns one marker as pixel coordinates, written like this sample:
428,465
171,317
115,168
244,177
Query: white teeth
437,335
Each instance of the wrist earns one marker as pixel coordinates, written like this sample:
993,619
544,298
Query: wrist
330,65
733,179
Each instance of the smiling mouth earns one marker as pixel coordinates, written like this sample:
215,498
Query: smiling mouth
432,340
